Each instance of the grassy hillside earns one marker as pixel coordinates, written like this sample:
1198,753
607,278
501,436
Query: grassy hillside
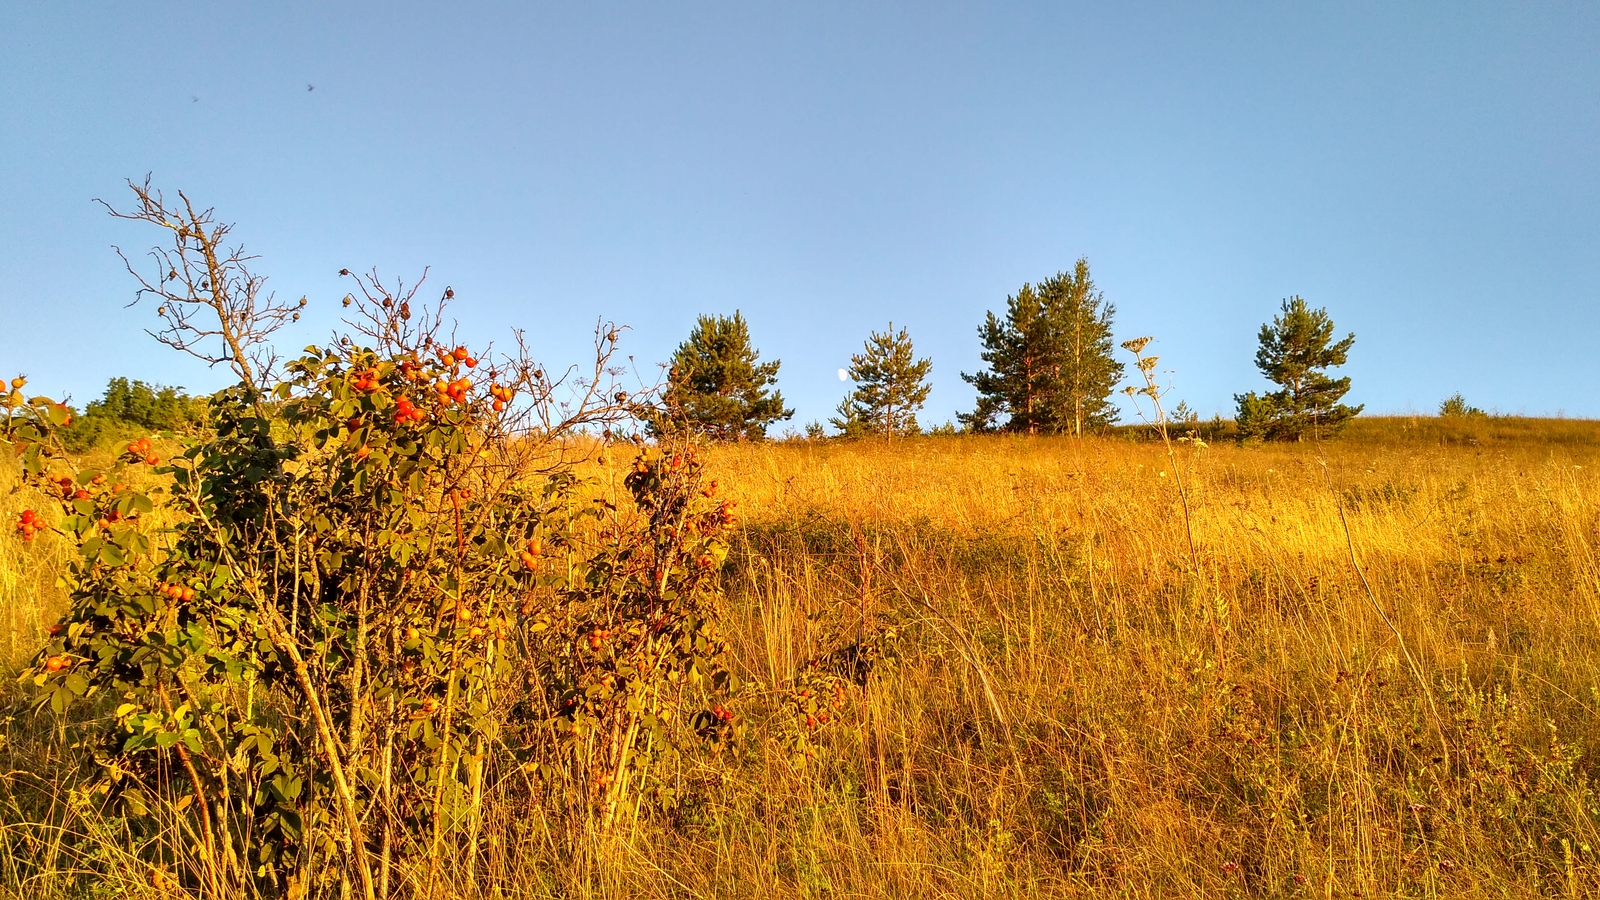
1372,672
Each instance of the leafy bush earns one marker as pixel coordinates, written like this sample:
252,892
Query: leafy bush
377,590
1456,406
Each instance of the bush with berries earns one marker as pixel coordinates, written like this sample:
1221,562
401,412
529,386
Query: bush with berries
381,589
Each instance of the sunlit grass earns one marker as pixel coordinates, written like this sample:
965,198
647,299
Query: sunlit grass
1376,677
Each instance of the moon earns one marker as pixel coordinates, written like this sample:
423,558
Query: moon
843,375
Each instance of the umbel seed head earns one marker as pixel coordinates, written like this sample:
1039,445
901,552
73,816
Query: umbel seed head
1135,345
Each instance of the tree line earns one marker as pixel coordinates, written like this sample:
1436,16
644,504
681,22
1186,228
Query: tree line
1049,368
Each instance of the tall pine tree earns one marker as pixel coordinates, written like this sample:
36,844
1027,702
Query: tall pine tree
891,385
717,387
1023,352
1296,346
1088,372
1051,367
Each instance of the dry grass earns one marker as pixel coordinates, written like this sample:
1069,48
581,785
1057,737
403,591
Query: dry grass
1053,699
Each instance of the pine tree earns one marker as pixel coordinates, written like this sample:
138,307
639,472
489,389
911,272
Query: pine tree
1051,366
1023,352
1296,346
891,385
717,387
1088,371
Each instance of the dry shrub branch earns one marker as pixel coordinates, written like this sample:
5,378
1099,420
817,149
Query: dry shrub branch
381,589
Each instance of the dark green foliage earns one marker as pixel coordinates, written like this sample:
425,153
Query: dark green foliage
1456,405
1296,348
891,385
132,406
1050,360
717,388
1255,415
1088,372
1022,352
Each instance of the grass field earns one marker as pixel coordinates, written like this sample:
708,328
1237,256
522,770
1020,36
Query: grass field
1372,672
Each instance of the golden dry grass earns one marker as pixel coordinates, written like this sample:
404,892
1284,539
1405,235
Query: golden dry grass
1078,708
1375,676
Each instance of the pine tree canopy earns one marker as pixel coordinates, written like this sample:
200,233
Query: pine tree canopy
717,387
891,385
1051,364
1296,347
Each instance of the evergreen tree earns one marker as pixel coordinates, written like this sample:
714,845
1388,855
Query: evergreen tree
1296,346
717,387
1023,352
891,385
1087,373
1050,360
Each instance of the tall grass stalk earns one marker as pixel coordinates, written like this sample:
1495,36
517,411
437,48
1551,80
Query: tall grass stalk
1410,706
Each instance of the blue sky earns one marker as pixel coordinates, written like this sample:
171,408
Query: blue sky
1428,172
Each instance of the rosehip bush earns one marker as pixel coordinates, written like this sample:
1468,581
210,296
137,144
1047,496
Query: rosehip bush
381,589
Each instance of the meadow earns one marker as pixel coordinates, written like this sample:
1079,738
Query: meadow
1363,667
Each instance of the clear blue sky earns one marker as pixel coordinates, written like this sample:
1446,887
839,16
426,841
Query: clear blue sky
1429,172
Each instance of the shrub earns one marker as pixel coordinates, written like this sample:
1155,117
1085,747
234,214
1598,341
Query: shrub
381,587
1456,406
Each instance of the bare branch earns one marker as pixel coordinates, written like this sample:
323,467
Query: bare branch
210,304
